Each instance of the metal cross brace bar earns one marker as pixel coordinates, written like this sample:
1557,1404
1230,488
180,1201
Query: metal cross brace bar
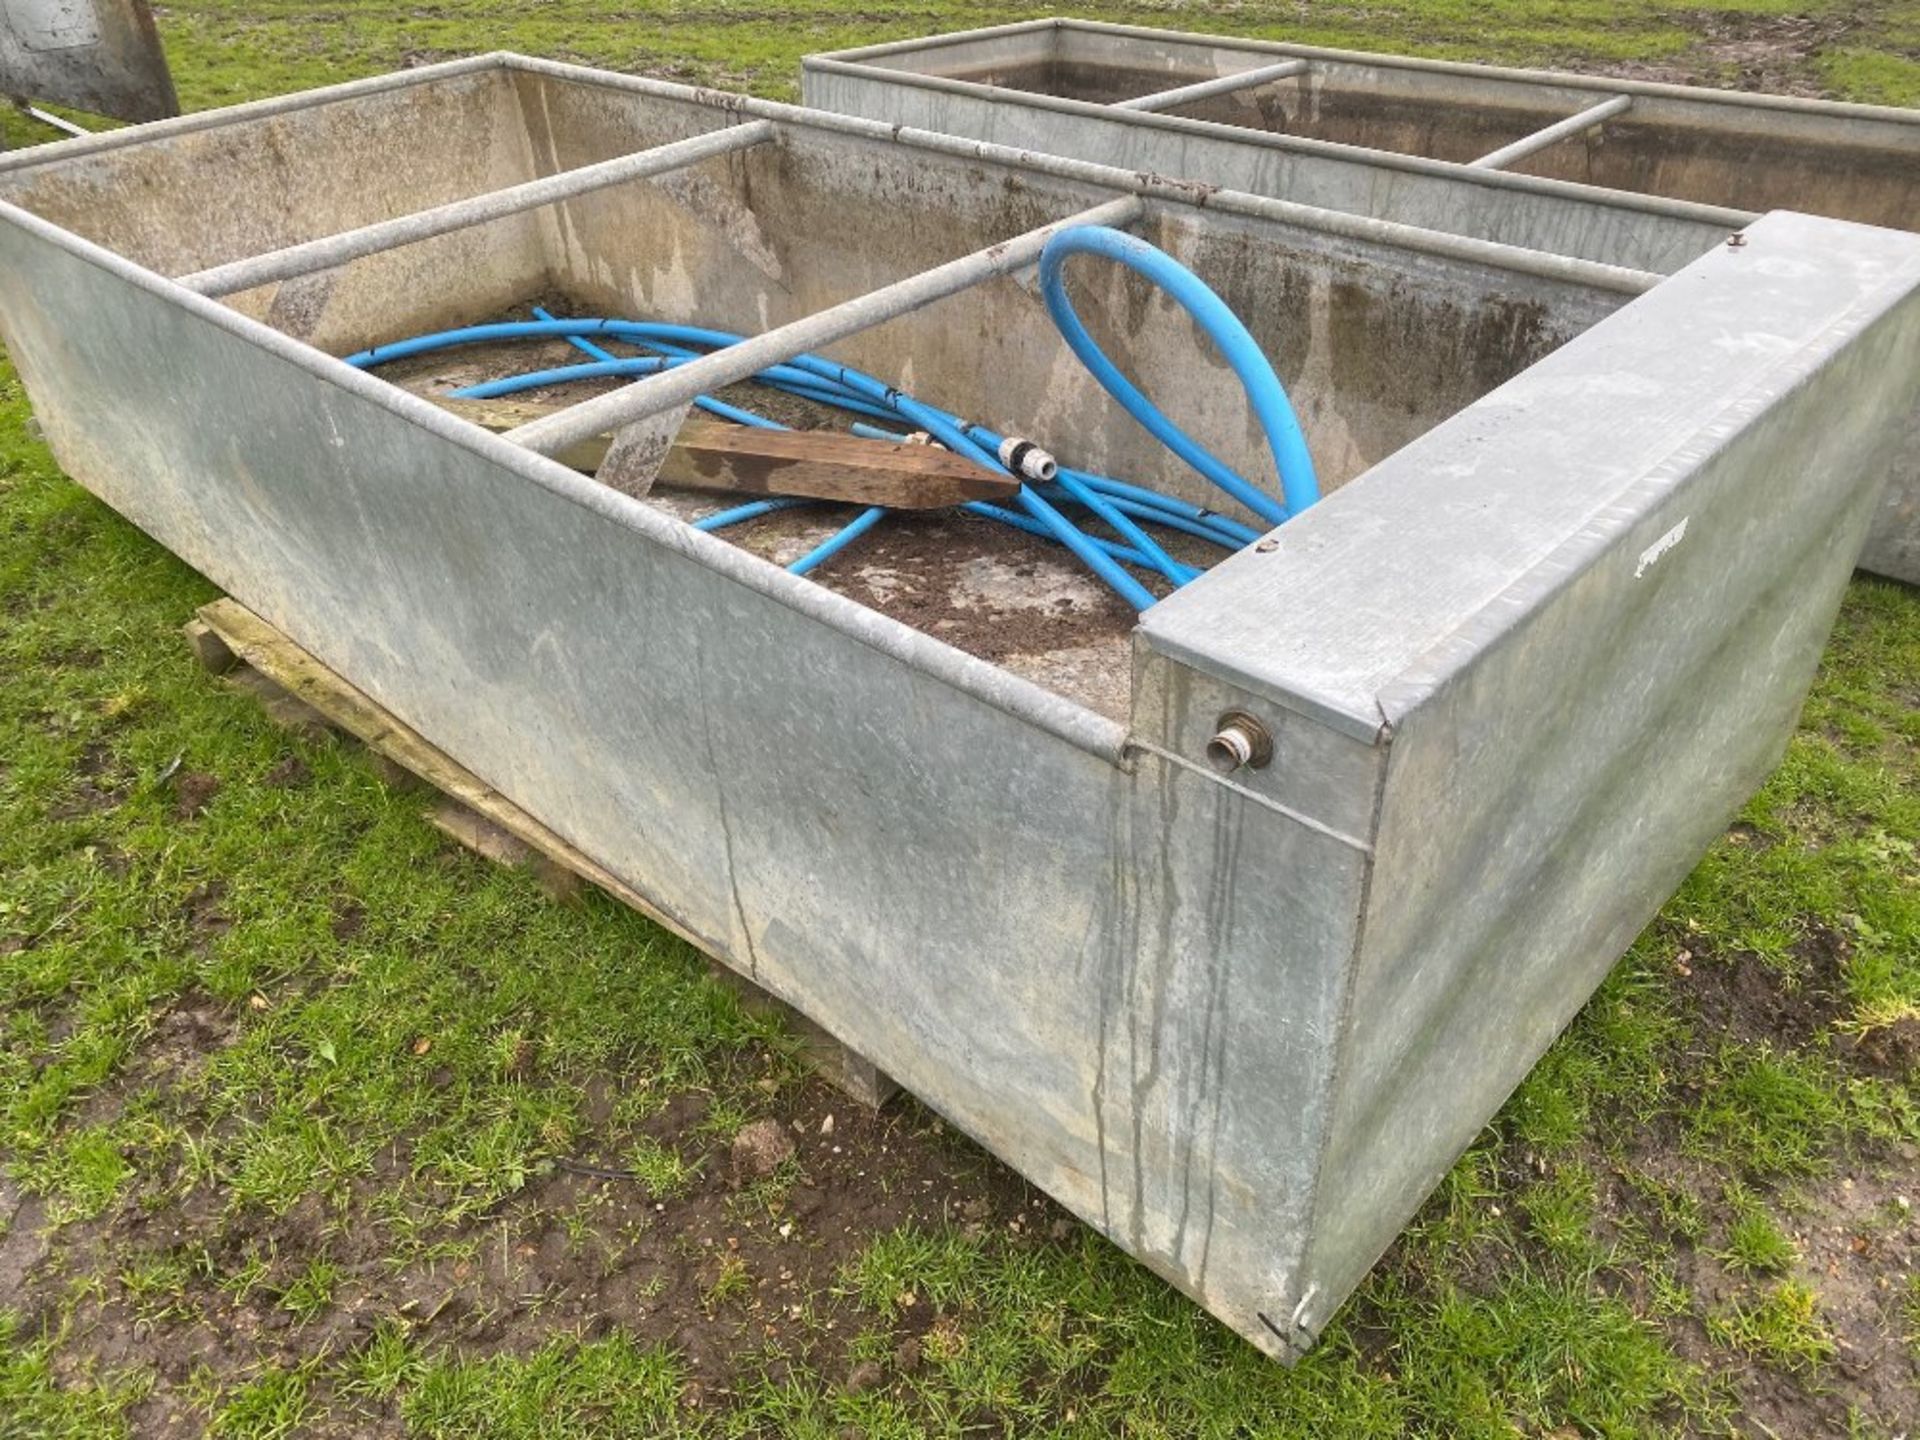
1553,134
1219,85
47,117
677,387
332,250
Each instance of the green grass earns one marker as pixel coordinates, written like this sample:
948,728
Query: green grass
567,1390
298,1064
1782,1325
33,1402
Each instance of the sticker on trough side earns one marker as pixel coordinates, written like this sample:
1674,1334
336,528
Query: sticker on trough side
101,56
1650,556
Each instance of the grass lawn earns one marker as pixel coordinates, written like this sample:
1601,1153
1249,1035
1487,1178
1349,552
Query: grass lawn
313,1124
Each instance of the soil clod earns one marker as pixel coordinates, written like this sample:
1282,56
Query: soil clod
759,1150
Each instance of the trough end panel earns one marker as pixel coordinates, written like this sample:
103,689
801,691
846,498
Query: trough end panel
1563,758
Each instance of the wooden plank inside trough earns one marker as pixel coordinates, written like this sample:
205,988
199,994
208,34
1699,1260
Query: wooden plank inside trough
225,634
814,464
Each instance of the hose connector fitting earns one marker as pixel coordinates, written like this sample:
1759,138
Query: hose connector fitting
1239,742
1027,460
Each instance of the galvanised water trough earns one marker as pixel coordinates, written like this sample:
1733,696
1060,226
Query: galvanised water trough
1228,928
1621,171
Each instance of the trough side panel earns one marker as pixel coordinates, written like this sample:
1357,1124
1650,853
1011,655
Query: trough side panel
1564,758
1613,230
1759,159
1080,963
1893,543
197,198
1220,995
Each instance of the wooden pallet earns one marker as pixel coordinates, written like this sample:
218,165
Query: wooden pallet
300,693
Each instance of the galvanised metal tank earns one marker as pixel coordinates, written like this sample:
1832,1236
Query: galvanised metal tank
1228,925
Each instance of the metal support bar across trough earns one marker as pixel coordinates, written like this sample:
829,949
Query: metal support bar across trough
47,117
1207,89
1658,181
1573,125
334,250
948,797
660,393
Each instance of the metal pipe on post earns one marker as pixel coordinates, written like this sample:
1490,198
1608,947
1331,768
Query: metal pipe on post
1219,85
679,386
1540,139
331,250
47,117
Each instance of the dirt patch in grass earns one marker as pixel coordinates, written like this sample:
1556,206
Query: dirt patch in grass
1827,1335
733,1275
98,786
23,1239
193,1027
287,774
206,921
1777,54
1743,998
192,793
1740,997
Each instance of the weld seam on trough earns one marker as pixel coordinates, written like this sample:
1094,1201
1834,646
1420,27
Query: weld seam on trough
1219,85
1252,797
1299,144
1339,1067
102,140
988,684
721,368
333,250
1542,263
1566,79
1553,134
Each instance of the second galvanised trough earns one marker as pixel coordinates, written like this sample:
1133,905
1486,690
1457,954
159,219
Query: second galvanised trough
1625,172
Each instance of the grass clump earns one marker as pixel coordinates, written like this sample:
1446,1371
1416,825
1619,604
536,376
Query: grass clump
33,1402
1755,1243
607,1389
1783,1327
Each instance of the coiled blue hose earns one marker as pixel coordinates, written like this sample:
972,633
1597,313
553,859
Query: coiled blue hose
1115,503
1223,327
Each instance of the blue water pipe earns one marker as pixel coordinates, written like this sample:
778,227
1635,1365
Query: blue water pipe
1116,503
1264,392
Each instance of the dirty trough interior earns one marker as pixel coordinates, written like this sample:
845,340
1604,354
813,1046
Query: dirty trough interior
1376,343
1226,915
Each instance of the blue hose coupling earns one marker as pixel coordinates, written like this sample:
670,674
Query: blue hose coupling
1027,460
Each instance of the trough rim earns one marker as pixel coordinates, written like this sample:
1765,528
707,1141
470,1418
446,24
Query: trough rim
1389,60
